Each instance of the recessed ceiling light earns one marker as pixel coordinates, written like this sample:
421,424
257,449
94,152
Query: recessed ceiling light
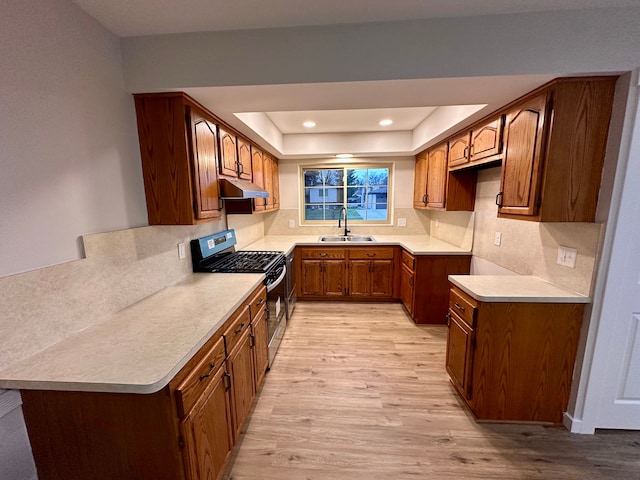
385,123
344,155
309,124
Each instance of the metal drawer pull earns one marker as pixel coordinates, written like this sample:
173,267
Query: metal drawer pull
323,254
212,366
252,341
371,254
261,302
227,381
459,307
239,328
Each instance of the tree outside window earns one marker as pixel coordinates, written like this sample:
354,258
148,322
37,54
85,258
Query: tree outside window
363,191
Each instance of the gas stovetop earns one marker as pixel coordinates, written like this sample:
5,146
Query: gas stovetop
245,262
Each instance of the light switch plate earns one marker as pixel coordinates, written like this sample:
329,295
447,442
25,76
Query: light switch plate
402,222
497,239
567,256
181,251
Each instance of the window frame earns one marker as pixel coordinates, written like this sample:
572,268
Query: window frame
345,166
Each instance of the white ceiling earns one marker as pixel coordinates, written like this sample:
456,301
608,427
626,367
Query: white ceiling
151,17
344,112
360,120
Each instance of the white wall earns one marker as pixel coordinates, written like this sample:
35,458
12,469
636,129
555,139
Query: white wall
68,141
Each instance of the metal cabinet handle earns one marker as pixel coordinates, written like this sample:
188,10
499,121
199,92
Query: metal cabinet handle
212,367
459,307
227,381
261,302
371,254
466,152
323,254
424,199
499,200
240,328
448,317
252,341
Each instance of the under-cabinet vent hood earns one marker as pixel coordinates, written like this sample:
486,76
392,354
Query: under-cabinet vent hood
234,188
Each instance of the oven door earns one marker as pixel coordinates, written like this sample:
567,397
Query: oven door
276,321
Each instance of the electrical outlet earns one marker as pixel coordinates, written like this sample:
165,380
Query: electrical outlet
402,222
437,223
497,239
181,251
292,224
567,256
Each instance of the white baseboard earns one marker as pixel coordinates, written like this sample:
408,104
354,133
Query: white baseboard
576,426
9,401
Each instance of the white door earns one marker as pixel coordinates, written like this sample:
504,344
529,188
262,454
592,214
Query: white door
613,396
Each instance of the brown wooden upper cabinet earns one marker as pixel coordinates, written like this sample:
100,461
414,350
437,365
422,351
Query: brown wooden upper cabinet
244,159
228,153
482,144
437,189
257,167
551,170
178,148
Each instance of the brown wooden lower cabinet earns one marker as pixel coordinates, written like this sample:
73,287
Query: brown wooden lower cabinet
424,289
512,361
185,431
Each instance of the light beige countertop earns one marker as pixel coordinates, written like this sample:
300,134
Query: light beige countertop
141,348
415,244
515,288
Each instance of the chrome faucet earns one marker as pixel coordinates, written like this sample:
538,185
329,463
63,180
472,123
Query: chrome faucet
343,213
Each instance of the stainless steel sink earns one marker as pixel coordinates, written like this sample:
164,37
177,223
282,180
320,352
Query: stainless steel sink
347,238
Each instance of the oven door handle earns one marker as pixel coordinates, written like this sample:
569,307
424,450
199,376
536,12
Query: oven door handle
277,282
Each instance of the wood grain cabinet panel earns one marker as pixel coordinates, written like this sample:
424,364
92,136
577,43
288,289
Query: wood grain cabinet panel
257,168
436,188
555,141
486,140
178,149
244,159
407,288
228,153
420,181
459,149
240,366
260,346
516,362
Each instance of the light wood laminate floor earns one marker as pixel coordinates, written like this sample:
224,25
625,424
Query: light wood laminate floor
358,391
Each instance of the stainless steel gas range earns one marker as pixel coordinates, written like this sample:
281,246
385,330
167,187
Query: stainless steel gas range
217,254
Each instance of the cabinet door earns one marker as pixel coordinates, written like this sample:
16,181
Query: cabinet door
207,432
333,277
459,354
359,278
437,176
522,165
459,150
240,364
420,181
205,178
259,343
311,282
407,288
486,140
228,153
257,167
275,183
244,159
382,278
268,180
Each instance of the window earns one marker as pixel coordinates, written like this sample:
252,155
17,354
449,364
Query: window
363,190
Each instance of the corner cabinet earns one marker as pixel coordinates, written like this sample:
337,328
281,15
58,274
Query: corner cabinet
555,141
435,188
424,288
512,361
179,152
185,431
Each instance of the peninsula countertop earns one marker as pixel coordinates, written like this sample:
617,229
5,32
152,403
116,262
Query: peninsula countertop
515,288
142,347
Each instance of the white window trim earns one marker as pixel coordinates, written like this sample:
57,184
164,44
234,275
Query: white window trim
328,165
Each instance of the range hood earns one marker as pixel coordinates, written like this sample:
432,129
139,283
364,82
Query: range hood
235,188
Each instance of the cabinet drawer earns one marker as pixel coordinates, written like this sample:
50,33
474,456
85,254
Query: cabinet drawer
409,260
463,305
236,329
257,302
371,253
193,386
322,253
